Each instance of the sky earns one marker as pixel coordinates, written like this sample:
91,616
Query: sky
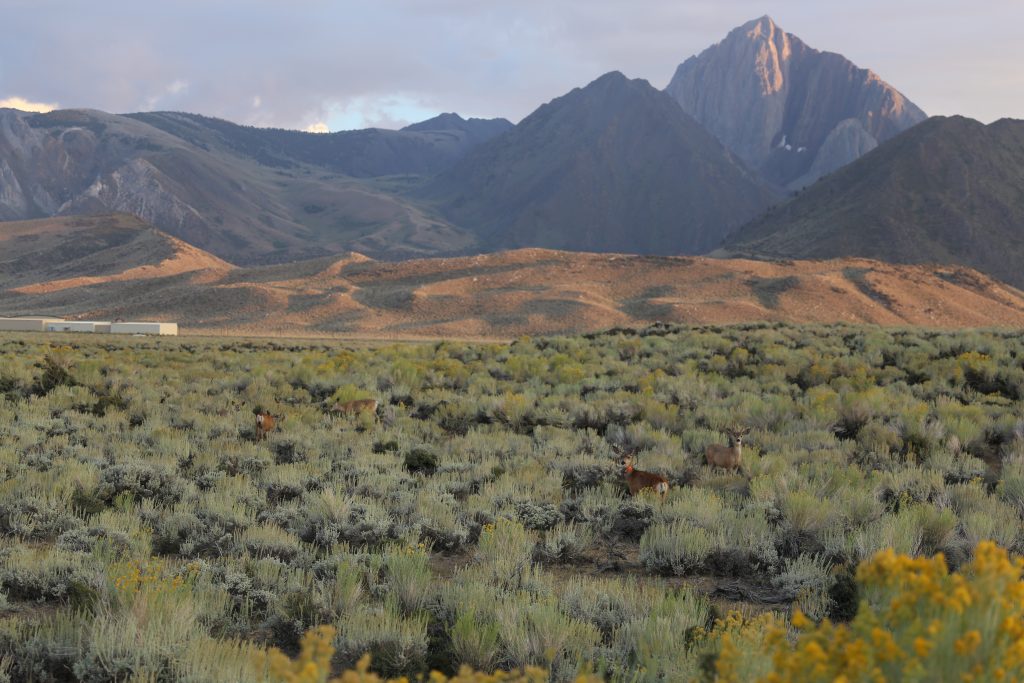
343,64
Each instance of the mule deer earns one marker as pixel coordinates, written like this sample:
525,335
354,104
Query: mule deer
265,423
728,457
638,480
355,407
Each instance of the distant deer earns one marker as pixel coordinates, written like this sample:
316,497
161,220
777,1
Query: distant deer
638,480
265,423
728,457
355,407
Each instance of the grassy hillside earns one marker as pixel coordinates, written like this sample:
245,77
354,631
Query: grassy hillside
41,251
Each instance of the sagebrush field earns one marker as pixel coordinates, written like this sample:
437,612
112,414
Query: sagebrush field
479,517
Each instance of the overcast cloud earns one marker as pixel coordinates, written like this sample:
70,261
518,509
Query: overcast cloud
323,64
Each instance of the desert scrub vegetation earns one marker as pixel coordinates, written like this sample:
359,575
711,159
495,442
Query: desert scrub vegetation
478,518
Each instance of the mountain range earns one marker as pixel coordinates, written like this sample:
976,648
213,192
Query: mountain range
247,195
760,147
611,166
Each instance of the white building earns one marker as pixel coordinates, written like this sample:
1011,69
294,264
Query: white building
72,326
26,324
144,328
60,325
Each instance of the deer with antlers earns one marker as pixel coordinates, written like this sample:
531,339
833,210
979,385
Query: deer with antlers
638,480
728,457
360,405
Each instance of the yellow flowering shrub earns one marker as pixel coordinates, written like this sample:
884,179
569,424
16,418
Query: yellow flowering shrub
151,576
917,622
313,665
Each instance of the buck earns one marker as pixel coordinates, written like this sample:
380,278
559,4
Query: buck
727,457
355,407
265,423
638,480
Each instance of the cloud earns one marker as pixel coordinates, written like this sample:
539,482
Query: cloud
323,60
25,105
390,111
169,92
318,127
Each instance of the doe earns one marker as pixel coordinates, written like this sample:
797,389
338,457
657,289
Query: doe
265,423
638,480
728,457
355,407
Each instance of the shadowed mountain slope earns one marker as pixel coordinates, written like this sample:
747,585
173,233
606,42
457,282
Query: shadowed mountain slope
950,190
423,148
614,166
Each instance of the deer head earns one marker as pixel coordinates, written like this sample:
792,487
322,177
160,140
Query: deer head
736,436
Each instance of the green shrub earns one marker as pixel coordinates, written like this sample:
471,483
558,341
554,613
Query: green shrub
421,460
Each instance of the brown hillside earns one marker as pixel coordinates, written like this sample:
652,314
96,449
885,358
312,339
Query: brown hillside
50,254
528,291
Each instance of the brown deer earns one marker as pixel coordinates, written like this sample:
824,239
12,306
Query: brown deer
355,407
728,457
265,423
638,480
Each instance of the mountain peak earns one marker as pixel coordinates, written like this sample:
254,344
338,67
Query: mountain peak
611,77
784,107
764,25
475,129
612,87
442,121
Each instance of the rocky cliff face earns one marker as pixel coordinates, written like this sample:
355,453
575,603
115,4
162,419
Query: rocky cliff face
786,109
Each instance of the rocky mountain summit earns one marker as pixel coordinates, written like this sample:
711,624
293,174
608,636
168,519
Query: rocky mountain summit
787,110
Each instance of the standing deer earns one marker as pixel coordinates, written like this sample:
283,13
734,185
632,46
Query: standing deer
638,480
355,407
728,457
265,423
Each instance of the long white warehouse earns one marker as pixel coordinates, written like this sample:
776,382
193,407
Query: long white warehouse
144,328
26,324
59,325
72,326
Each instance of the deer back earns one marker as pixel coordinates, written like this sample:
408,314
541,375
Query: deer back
638,481
722,456
726,456
356,406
